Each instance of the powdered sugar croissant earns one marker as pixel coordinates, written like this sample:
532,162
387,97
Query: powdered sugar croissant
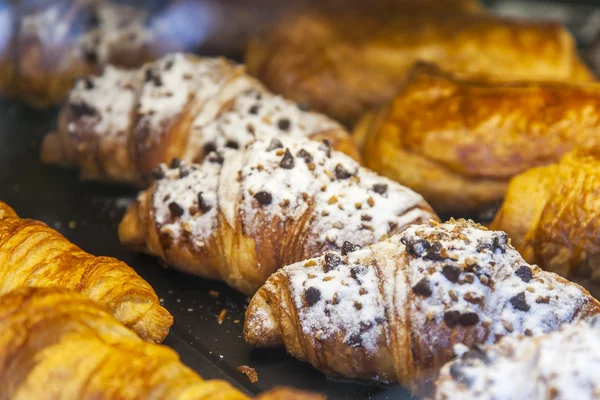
393,311
33,254
56,344
122,124
243,214
561,365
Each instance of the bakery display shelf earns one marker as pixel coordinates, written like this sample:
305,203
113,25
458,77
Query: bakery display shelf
88,214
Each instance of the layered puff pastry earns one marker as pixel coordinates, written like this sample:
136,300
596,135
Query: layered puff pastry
560,365
459,142
47,44
347,62
118,126
392,312
243,214
551,213
56,344
32,254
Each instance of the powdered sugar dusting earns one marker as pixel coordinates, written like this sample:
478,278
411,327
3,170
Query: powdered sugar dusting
561,365
350,203
185,202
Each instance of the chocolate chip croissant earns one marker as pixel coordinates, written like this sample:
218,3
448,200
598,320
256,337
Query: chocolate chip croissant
393,311
56,344
32,254
346,62
46,44
459,142
551,213
120,125
560,365
243,214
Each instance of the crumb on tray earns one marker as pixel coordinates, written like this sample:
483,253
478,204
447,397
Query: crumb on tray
249,372
222,316
213,293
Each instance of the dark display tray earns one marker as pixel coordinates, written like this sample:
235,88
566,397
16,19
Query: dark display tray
88,215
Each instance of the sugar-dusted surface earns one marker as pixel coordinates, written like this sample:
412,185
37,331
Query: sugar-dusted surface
561,365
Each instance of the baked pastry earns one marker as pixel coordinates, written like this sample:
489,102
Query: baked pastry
551,213
560,365
458,142
49,43
32,254
56,344
347,62
120,125
243,214
393,311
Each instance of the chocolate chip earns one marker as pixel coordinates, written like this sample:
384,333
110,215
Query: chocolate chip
468,318
355,341
254,109
520,302
341,173
416,247
498,241
93,20
451,318
423,288
264,198
356,272
210,147
203,204
168,65
305,155
380,188
434,252
79,110
157,80
90,56
232,144
216,158
148,75
284,124
348,247
275,144
175,209
326,147
88,83
184,171
312,295
158,172
451,272
287,162
524,272
175,162
332,261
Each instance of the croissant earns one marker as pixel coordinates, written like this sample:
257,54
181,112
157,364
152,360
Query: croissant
241,215
392,311
47,44
56,344
560,365
458,142
121,125
346,62
551,213
32,254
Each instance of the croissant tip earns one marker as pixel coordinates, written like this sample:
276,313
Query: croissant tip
261,328
51,151
131,232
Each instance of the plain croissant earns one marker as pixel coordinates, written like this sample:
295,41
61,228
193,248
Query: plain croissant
56,344
120,125
459,142
561,365
551,214
393,311
240,216
32,254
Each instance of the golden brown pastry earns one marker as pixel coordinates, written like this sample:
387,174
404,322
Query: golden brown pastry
56,344
459,142
49,43
560,365
393,311
344,63
120,125
245,213
32,254
552,214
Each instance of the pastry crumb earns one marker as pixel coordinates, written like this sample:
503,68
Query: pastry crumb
222,316
249,372
213,293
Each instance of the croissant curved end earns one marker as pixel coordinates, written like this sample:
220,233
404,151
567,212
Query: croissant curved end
162,322
6,211
52,152
131,228
262,328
